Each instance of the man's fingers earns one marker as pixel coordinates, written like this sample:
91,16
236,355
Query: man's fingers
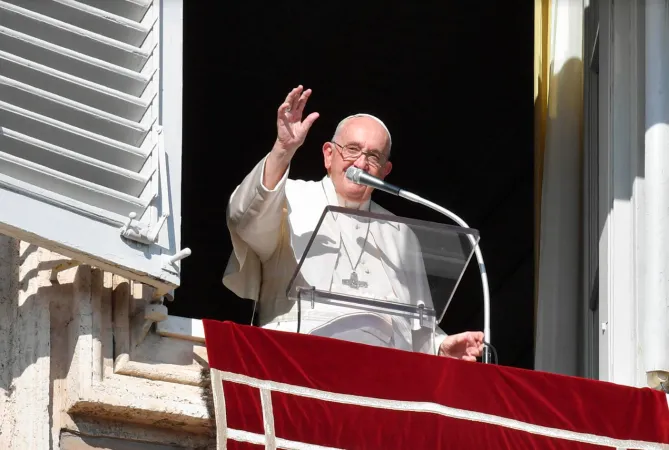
289,98
309,121
475,339
469,358
301,102
291,95
281,117
479,336
294,97
281,113
461,338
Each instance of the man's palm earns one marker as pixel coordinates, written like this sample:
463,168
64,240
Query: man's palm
291,129
467,346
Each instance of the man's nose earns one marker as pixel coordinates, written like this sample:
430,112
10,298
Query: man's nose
361,162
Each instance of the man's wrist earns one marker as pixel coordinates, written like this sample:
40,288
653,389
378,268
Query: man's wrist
282,152
276,164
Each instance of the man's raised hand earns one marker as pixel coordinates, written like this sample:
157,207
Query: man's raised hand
291,129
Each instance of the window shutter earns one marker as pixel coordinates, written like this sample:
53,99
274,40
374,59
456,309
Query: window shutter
90,132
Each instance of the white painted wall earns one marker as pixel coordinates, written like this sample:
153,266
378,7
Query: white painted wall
634,201
620,191
654,303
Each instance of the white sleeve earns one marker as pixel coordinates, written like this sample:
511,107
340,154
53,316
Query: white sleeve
255,213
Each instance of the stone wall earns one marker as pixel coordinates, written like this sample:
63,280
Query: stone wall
81,367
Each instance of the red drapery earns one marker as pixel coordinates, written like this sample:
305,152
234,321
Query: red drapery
276,389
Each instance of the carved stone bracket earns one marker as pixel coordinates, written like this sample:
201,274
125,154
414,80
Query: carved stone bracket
141,352
121,369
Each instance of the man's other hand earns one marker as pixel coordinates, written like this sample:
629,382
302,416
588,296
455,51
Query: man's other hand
466,346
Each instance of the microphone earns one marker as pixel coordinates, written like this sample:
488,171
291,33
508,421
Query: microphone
359,176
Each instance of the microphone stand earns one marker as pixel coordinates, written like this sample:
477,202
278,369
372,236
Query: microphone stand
479,258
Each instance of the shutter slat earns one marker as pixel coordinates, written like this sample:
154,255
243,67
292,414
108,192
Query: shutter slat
69,186
72,138
73,113
73,63
75,38
71,163
89,18
130,9
28,191
73,88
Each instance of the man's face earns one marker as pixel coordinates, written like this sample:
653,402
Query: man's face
358,133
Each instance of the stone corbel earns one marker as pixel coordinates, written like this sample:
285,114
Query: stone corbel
120,370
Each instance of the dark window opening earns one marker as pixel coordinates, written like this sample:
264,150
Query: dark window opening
453,82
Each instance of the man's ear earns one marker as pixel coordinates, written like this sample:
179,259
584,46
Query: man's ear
387,168
327,155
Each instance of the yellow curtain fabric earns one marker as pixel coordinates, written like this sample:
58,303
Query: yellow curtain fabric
542,33
558,184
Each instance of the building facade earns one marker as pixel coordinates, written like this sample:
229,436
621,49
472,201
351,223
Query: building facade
90,120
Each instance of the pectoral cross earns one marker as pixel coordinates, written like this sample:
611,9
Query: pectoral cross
353,282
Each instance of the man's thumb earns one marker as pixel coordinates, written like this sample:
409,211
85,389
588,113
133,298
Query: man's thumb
309,121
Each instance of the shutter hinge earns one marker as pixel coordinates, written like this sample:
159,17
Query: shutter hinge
140,232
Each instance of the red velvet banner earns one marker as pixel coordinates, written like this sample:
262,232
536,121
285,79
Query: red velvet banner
280,387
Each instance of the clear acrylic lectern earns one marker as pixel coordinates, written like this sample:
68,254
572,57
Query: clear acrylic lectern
378,279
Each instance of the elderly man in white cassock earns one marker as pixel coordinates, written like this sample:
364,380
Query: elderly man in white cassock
268,214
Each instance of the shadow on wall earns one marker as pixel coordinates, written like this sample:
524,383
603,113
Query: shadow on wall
27,373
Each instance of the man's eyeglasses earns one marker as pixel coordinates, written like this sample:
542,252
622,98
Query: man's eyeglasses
352,152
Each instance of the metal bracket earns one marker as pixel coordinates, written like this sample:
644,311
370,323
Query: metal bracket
307,294
659,380
53,277
170,262
421,314
140,232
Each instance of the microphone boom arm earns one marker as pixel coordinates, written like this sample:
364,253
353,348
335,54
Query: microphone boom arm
479,259
359,176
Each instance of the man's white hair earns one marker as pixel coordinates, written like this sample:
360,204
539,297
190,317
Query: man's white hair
341,124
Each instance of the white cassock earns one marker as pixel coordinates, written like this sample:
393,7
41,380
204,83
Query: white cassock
270,230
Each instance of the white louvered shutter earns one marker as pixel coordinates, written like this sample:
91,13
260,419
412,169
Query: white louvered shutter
90,131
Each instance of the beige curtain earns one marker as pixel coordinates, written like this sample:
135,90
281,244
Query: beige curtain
558,155
542,10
